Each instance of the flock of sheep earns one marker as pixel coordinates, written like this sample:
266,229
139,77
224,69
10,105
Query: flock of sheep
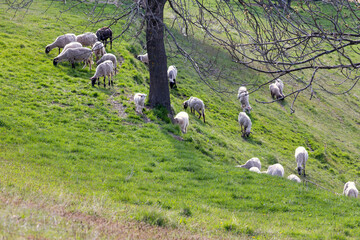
74,50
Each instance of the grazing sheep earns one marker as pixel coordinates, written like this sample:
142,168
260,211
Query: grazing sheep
301,156
280,85
75,55
99,50
294,178
144,58
243,96
255,169
275,170
108,56
60,42
103,34
87,39
71,45
139,100
275,91
245,124
104,69
253,162
350,190
182,118
195,104
171,73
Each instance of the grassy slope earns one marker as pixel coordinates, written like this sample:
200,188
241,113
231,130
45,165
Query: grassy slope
63,142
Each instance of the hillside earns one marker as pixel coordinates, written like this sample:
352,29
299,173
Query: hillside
77,162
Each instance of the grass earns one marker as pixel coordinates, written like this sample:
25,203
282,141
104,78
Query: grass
73,156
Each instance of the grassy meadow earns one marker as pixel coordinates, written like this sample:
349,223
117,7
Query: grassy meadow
77,161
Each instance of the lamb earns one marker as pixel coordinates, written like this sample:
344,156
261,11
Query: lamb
195,104
294,178
71,45
301,156
87,39
275,91
75,55
243,96
280,85
103,34
108,56
275,170
182,118
104,69
139,100
60,42
99,50
144,58
255,169
253,162
245,124
171,73
350,190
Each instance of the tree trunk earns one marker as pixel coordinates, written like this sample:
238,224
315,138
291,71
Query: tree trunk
159,87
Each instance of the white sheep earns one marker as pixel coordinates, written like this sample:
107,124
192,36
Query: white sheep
171,73
253,162
139,100
195,104
104,69
144,58
255,169
108,56
294,178
276,170
280,85
301,156
99,50
182,118
87,39
75,55
60,42
245,124
72,45
350,190
243,96
275,91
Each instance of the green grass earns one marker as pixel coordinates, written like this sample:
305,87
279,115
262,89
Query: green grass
65,143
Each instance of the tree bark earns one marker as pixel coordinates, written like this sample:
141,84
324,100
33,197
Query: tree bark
159,88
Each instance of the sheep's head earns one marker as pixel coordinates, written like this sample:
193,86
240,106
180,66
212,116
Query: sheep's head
138,57
299,170
47,49
186,104
55,61
93,80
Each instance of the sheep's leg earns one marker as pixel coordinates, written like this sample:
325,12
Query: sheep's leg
59,50
73,65
199,113
111,43
203,116
104,82
98,80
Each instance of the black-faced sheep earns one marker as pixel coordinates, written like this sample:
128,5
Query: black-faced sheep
144,58
195,104
276,170
74,55
245,124
182,118
243,96
171,73
60,42
108,56
139,100
103,34
294,178
87,39
350,190
301,156
99,50
275,91
105,69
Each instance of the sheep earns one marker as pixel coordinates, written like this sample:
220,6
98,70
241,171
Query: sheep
75,55
245,124
195,104
108,56
104,69
253,162
171,73
139,100
294,178
275,91
144,58
280,85
243,96
275,170
87,39
301,156
103,34
71,45
99,50
255,169
182,118
141,3
60,42
350,190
